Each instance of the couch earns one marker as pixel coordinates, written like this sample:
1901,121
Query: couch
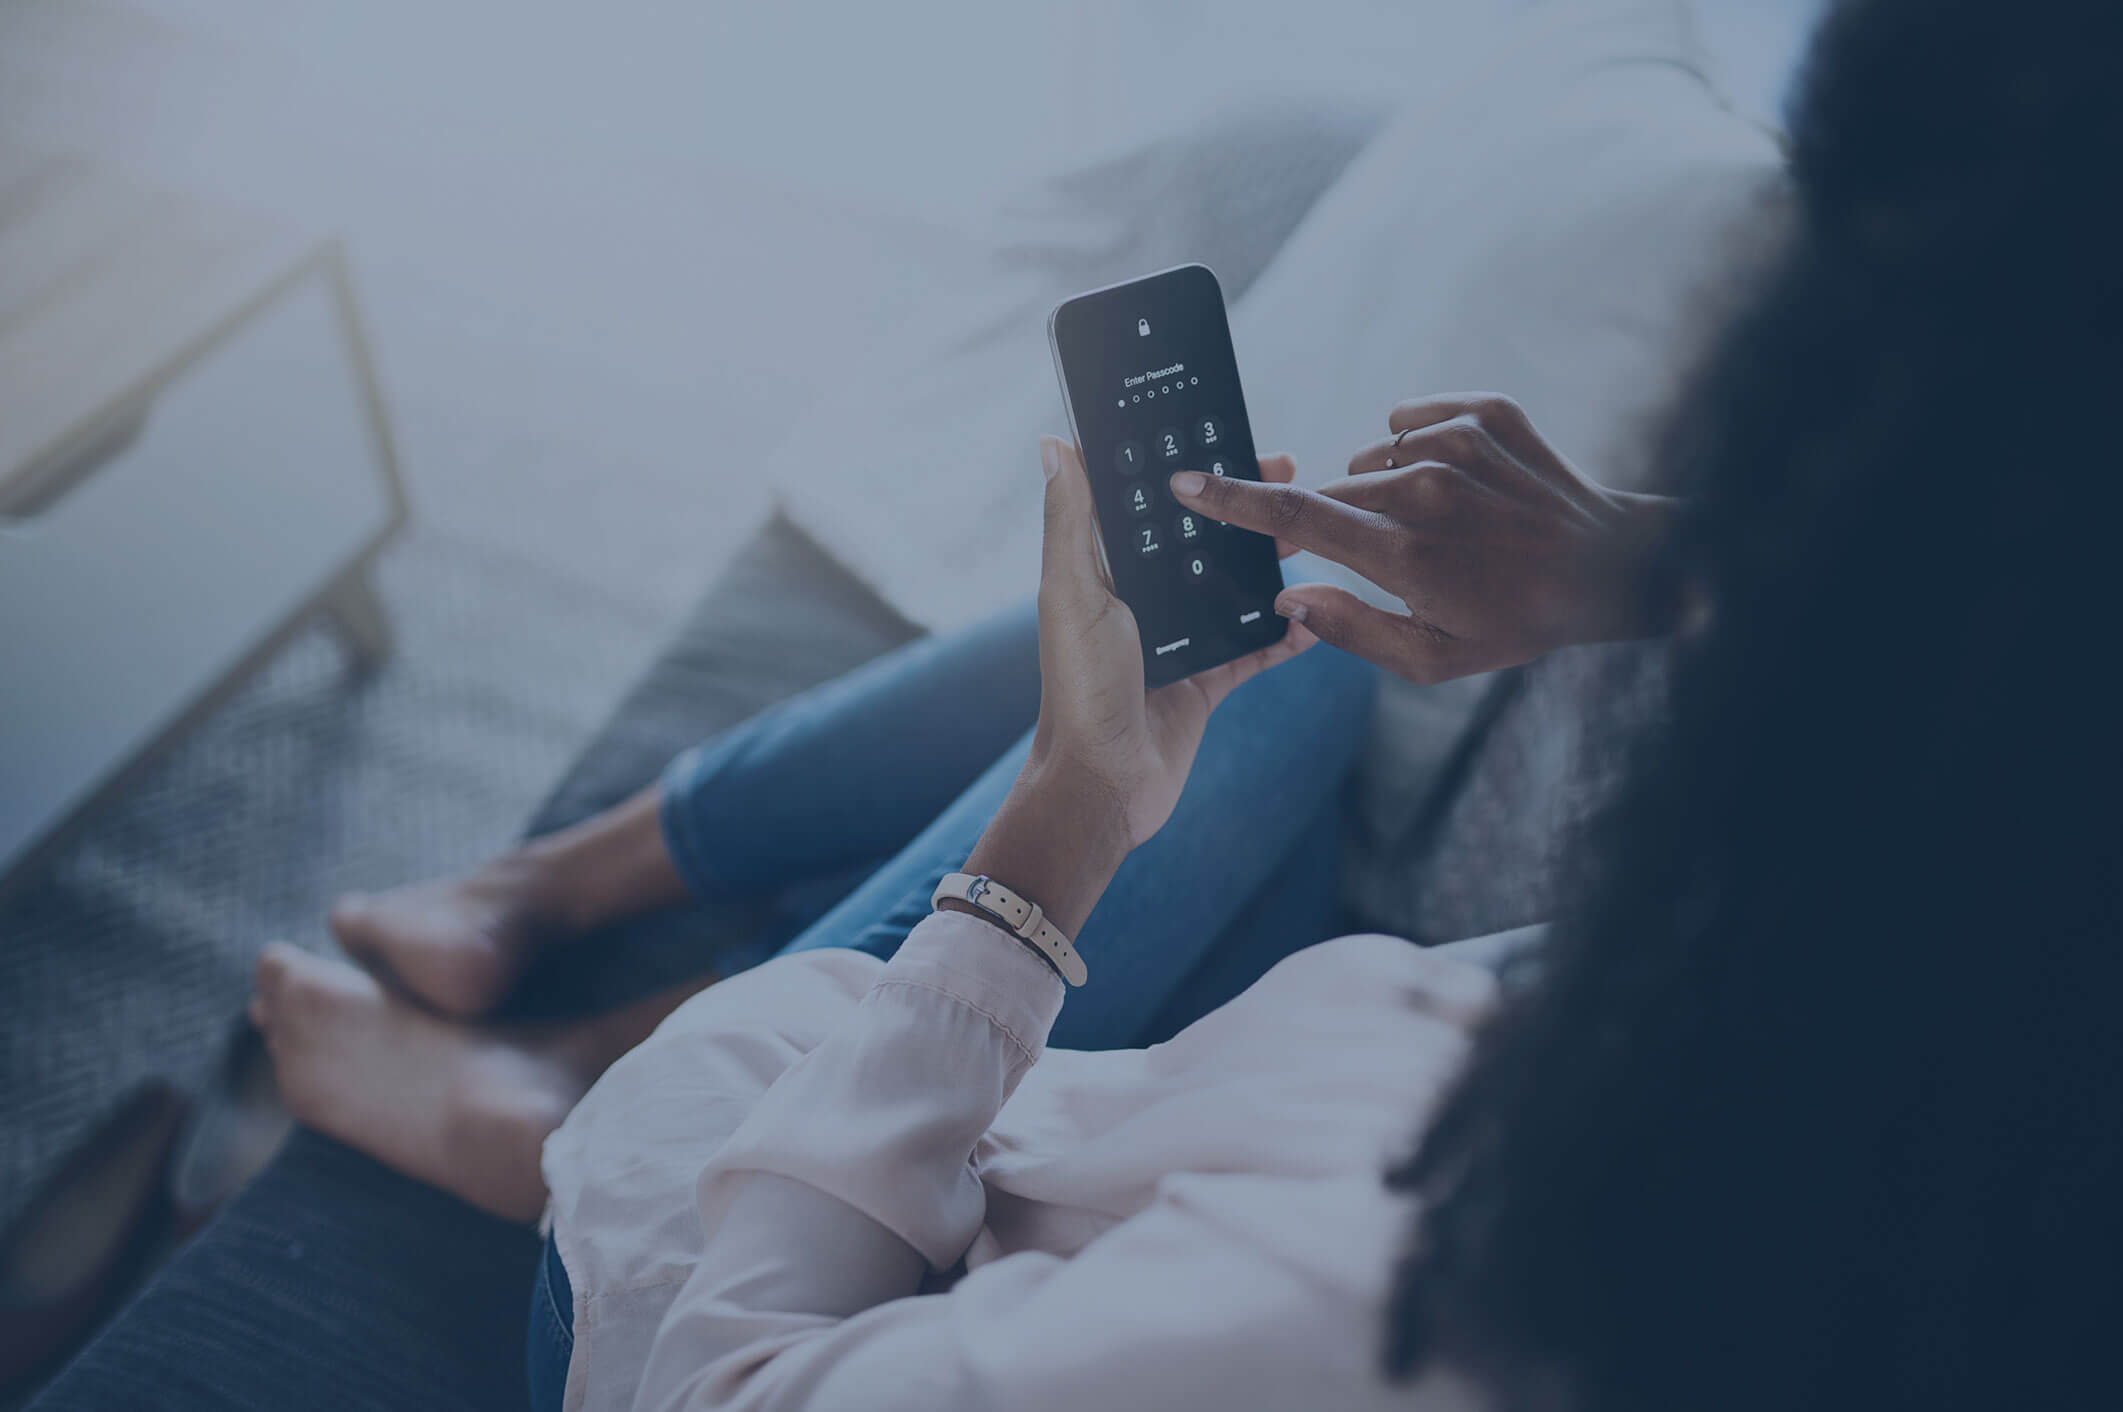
1552,217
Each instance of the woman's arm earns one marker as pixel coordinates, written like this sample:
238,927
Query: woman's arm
1108,758
850,1179
1500,549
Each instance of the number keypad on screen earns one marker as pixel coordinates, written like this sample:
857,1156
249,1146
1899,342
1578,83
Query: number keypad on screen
1154,523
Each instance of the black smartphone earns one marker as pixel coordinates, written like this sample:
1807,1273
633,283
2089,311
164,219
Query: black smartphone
1151,385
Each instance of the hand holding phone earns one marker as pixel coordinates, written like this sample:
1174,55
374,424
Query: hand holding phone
1109,759
1151,384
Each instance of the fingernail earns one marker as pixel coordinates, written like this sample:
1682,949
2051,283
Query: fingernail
1049,456
1291,608
1188,483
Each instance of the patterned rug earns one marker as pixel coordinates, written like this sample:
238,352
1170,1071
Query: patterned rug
131,957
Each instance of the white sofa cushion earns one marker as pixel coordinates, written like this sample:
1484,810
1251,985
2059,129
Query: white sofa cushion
937,504
1552,214
1550,217
1557,217
1539,218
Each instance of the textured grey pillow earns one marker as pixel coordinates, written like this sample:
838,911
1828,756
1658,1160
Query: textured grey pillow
1227,190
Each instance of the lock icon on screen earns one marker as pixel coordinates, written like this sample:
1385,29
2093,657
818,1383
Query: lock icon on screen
1142,328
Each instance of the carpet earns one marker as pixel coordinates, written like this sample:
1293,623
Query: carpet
131,956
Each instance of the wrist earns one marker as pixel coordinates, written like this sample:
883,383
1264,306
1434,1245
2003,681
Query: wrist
1057,840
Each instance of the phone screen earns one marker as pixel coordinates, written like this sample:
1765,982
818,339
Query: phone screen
1152,387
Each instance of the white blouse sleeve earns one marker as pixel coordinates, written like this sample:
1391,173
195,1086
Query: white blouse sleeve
852,1179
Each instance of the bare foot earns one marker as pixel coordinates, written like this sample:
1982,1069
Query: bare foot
458,944
466,1108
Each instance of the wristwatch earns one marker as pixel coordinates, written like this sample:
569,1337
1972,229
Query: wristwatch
1024,919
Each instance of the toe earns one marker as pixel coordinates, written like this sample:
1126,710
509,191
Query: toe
349,919
447,943
302,991
275,972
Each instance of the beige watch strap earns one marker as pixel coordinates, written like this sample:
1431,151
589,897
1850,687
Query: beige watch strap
1022,917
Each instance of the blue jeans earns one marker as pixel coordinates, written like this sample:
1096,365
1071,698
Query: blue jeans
852,800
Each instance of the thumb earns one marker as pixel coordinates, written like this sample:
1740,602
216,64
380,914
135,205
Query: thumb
1395,641
1069,562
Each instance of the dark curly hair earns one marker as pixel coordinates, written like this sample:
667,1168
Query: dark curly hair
1817,1098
